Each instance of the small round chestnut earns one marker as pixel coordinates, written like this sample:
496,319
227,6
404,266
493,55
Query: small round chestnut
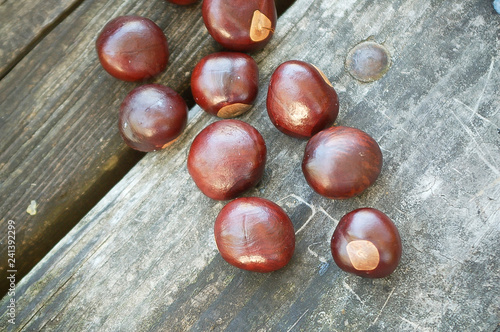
182,2
226,159
367,243
341,162
132,48
240,25
301,101
151,117
225,84
254,234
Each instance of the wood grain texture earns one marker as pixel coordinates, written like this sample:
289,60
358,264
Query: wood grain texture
144,259
59,139
24,23
59,142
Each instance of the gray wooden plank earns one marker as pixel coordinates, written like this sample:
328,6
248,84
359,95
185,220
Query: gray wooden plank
24,23
144,258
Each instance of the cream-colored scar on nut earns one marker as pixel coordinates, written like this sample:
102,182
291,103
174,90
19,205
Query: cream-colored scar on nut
324,76
364,256
233,110
166,145
261,26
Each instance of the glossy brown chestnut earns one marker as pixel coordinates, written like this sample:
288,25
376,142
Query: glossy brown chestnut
132,48
225,83
300,99
254,234
226,159
182,2
240,25
367,243
341,162
151,117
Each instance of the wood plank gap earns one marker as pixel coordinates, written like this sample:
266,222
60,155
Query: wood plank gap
76,201
161,271
30,46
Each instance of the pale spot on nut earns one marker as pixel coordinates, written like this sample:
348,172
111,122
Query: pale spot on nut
363,254
324,76
233,110
169,143
261,26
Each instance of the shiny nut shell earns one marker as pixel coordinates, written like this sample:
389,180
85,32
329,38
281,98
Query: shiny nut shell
227,158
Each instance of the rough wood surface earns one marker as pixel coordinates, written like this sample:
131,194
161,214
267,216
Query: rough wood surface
144,258
59,143
23,23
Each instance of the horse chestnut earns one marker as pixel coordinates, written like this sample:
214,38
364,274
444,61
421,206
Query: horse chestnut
254,234
240,25
132,48
300,99
341,162
225,83
151,116
226,159
367,243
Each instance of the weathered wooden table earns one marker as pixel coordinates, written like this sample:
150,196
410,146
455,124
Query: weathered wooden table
142,257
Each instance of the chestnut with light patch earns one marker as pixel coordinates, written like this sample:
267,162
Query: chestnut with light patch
366,243
225,84
240,25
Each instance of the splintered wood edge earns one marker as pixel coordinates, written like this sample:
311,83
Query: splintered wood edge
324,76
364,256
261,26
233,110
